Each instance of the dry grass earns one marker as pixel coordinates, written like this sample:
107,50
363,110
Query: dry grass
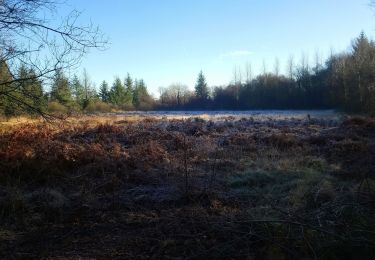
141,187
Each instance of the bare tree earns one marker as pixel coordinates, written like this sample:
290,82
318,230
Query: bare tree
161,91
264,67
290,67
318,61
176,90
277,66
304,62
31,37
249,72
86,83
237,77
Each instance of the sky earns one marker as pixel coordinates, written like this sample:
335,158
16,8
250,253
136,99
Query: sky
170,41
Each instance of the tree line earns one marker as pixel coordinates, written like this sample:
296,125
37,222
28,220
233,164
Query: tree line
67,96
345,81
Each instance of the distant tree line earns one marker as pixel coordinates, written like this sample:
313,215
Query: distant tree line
345,81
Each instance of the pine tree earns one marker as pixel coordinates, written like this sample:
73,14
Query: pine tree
7,105
104,91
117,95
77,91
135,98
128,84
21,96
32,93
201,89
140,94
362,63
89,93
60,91
129,90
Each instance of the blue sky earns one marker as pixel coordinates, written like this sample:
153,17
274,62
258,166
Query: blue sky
169,41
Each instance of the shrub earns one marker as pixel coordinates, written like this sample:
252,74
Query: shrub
145,106
57,108
98,106
126,107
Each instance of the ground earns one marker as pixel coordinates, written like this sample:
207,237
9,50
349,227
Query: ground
188,187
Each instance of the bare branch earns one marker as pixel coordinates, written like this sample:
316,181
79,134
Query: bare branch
33,40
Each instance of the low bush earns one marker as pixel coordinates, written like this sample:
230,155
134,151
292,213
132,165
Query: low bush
57,108
98,106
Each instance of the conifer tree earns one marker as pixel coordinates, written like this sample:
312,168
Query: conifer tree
104,91
28,93
362,75
89,92
60,91
128,84
201,89
140,94
129,90
32,92
6,103
77,91
117,94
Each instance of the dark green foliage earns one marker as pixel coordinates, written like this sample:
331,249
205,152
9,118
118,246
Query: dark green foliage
60,91
21,96
6,107
32,92
141,99
201,89
117,95
128,85
77,91
104,92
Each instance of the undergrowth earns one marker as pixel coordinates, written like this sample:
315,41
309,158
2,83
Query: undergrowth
188,189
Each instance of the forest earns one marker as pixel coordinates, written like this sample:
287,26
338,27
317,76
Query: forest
343,82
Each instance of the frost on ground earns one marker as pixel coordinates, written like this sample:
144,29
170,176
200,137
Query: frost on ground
160,186
258,115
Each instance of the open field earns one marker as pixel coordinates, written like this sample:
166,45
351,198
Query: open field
201,186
